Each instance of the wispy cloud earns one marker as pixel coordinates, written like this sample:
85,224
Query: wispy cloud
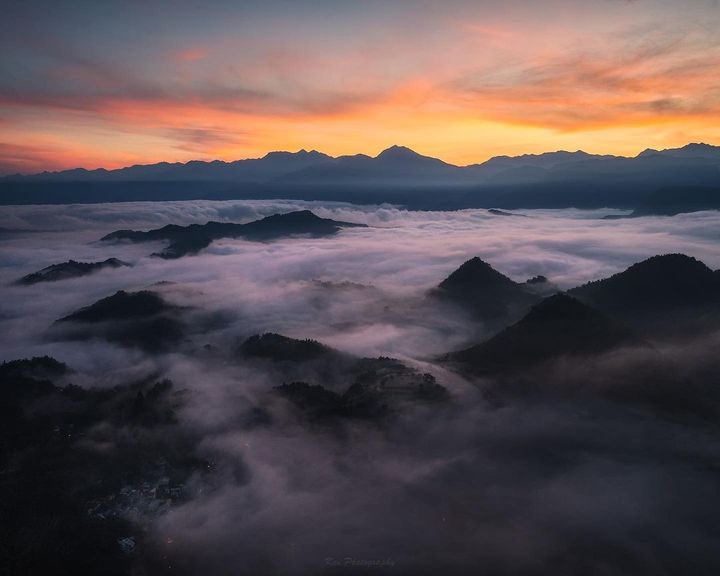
465,82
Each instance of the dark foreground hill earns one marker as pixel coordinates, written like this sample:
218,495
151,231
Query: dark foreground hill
121,306
190,239
380,388
137,319
64,505
661,294
558,326
664,281
69,269
279,348
352,387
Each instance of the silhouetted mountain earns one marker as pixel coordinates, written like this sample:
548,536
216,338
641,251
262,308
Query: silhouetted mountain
262,169
392,166
480,288
283,349
496,212
193,238
298,360
383,384
667,290
526,167
558,326
138,319
397,175
381,387
293,223
656,284
30,378
64,506
121,306
69,269
694,150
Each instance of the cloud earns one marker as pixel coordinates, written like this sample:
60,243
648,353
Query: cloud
589,481
640,75
465,81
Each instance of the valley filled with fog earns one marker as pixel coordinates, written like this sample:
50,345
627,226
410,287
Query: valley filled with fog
286,285
604,460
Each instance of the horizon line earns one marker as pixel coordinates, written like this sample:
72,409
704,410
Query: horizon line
314,150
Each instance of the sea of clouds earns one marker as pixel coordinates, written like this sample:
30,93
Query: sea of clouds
526,488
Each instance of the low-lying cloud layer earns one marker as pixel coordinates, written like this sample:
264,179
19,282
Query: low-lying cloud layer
565,484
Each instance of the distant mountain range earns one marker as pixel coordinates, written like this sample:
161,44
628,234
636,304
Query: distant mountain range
400,175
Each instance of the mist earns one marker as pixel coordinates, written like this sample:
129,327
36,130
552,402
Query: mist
590,473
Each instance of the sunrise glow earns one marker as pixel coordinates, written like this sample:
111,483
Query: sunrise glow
463,81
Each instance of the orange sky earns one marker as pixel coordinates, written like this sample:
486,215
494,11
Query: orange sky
462,81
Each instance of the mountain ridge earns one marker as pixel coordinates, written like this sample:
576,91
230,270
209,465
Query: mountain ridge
184,240
394,150
397,175
558,326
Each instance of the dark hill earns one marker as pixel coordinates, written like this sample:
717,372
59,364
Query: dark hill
121,306
27,378
190,239
314,401
69,269
486,292
283,349
656,284
62,505
381,387
135,319
292,223
557,326
665,296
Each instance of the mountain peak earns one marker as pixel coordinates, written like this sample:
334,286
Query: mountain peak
480,288
398,152
121,306
692,150
672,264
668,268
294,216
658,283
476,272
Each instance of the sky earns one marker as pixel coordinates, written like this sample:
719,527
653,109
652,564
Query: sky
111,84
